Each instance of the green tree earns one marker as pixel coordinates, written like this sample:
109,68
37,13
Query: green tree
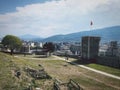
11,42
49,46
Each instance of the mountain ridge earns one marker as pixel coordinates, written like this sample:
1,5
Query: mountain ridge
106,34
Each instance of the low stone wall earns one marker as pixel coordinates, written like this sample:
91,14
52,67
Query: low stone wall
109,61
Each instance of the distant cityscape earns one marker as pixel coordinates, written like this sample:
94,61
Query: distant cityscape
89,48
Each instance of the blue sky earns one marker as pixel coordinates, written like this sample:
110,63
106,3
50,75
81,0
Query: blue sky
45,18
10,5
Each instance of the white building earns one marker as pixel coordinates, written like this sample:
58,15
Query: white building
32,44
104,50
39,44
75,49
110,49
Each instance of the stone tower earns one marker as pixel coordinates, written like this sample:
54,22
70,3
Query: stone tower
90,47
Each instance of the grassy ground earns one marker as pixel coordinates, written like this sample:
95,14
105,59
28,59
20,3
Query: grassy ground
8,80
87,79
55,68
107,69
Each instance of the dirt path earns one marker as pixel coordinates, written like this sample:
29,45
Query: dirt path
91,69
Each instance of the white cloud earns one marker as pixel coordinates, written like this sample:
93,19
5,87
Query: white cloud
51,18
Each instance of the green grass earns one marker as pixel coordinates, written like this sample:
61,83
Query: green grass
92,84
8,80
107,69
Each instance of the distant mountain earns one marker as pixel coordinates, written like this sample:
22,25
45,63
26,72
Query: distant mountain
106,34
30,37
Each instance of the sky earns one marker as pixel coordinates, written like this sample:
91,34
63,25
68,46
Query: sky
46,18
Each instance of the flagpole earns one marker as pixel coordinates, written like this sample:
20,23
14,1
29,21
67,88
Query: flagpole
91,23
88,47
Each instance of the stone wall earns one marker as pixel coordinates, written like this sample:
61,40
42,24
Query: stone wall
109,61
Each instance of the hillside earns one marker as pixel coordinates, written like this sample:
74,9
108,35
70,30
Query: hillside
9,66
106,34
55,68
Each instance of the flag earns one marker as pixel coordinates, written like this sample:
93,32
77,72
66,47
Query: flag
91,23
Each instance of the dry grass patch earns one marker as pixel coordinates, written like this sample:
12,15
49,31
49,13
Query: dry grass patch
56,69
88,79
